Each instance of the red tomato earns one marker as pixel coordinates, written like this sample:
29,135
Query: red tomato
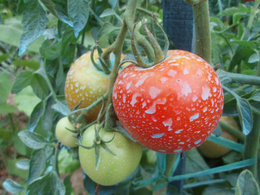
172,106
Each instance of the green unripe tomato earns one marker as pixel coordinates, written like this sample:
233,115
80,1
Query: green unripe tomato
65,136
111,169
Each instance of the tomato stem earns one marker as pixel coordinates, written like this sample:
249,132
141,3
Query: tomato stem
156,47
252,139
202,30
234,131
243,79
116,48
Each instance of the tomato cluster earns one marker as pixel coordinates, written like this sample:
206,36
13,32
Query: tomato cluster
170,108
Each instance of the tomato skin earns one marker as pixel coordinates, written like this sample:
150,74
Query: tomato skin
210,149
85,84
112,169
172,106
66,137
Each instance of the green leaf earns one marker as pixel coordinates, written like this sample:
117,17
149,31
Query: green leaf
61,10
34,22
48,185
23,164
7,108
37,165
5,86
26,100
246,184
22,80
244,111
39,86
32,140
67,163
245,115
27,63
3,57
36,115
13,170
51,50
12,186
220,189
51,6
78,12
195,163
220,169
61,108
113,3
104,33
254,58
11,32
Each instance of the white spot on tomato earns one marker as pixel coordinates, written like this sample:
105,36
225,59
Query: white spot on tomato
197,142
172,73
154,92
163,79
157,135
128,85
151,110
134,100
185,89
178,131
141,81
186,70
168,123
194,117
143,104
194,98
205,92
205,109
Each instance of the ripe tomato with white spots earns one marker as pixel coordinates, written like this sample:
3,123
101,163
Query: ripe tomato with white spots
172,106
112,168
85,84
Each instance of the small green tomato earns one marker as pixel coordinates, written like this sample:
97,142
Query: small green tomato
111,168
63,133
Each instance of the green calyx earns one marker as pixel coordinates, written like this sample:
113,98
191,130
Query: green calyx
98,143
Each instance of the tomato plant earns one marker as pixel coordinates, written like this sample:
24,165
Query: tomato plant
112,167
64,132
85,84
213,150
170,107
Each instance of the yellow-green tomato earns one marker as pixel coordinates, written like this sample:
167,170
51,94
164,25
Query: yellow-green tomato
63,133
85,84
111,169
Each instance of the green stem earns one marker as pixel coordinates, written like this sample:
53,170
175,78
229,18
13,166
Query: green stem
253,14
252,139
234,131
202,30
243,79
117,47
251,144
12,122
